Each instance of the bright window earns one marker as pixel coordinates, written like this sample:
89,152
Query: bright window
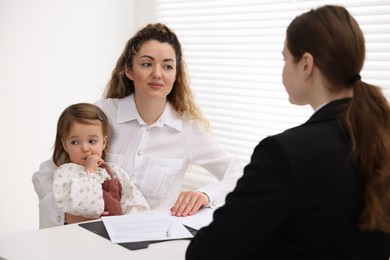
233,52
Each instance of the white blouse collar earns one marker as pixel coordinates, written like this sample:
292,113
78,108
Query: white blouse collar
127,111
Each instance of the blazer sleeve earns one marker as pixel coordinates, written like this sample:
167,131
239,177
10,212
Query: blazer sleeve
259,205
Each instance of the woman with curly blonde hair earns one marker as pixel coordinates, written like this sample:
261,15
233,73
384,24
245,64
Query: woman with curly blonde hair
157,129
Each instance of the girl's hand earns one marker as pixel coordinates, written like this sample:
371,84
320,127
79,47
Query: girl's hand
92,163
105,213
188,203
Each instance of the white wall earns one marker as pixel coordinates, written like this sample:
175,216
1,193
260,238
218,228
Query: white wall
52,53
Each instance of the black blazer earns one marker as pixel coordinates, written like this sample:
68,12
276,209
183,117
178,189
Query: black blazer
299,198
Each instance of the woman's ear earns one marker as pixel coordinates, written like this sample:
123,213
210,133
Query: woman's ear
308,64
129,72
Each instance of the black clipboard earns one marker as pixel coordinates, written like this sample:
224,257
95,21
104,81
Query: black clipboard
98,228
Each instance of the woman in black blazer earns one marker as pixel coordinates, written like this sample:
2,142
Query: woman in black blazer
320,190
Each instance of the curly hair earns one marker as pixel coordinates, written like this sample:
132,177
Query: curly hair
181,97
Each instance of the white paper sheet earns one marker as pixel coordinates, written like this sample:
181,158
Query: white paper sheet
149,226
154,225
201,219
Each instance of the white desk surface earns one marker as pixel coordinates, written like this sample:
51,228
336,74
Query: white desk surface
75,242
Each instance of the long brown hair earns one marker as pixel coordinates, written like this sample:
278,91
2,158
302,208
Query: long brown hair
181,96
336,42
83,113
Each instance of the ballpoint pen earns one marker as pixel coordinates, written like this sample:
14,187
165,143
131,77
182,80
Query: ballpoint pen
169,230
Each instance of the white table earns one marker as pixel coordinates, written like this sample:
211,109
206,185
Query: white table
75,242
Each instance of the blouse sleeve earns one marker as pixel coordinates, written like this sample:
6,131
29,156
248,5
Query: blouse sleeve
43,185
78,192
132,199
226,168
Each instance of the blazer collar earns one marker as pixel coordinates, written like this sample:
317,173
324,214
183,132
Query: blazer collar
330,111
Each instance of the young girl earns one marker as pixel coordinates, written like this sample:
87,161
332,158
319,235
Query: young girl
84,184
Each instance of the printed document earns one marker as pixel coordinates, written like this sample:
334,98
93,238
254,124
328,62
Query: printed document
155,225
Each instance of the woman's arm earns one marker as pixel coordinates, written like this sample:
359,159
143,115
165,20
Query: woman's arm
43,183
206,153
132,200
226,168
255,211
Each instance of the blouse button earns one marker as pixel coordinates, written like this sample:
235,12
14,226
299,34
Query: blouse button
214,203
59,219
139,153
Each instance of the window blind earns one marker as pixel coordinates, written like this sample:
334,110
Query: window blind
233,52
